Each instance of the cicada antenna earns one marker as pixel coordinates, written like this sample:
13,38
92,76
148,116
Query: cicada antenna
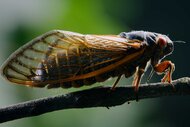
179,41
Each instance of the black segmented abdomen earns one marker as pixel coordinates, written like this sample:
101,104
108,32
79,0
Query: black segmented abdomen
69,64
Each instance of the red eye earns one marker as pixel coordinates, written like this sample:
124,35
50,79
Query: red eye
162,42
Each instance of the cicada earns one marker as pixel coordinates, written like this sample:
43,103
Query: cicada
67,59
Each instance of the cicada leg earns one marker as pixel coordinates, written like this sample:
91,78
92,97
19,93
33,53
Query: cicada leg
167,67
138,75
116,82
137,78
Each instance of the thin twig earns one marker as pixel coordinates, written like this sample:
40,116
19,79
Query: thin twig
96,97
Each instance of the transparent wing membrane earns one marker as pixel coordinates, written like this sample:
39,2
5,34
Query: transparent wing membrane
59,55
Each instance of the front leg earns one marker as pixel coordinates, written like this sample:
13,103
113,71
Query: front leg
167,67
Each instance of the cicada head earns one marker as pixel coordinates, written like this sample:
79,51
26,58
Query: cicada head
165,45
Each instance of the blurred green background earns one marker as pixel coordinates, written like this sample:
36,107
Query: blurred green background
23,20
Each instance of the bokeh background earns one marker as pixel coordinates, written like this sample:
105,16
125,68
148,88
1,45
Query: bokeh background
23,20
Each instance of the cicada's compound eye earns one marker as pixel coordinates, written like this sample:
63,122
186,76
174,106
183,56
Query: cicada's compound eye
162,42
165,44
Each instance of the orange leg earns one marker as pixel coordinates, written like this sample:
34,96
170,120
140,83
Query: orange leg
137,78
167,67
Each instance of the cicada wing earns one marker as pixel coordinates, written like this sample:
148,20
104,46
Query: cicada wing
63,56
111,42
38,58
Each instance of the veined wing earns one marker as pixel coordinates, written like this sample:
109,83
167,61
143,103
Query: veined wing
62,56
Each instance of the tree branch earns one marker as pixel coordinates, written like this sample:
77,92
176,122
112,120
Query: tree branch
96,97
